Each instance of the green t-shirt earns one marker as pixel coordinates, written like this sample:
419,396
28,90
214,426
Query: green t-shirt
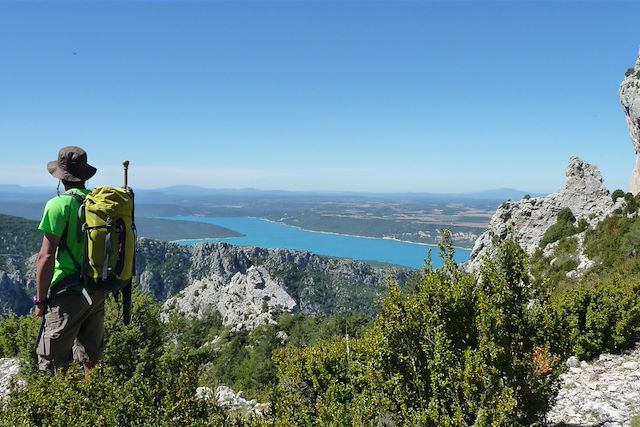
57,212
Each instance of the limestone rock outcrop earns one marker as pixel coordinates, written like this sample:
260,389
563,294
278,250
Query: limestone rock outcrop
230,401
630,100
9,369
527,220
246,301
604,392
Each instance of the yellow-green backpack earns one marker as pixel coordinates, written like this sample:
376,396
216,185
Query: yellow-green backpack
110,238
109,234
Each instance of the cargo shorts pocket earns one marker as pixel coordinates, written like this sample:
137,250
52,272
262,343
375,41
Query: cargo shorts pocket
54,322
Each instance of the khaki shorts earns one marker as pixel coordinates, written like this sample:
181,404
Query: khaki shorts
73,330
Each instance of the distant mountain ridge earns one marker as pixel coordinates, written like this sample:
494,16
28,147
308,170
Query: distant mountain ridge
15,190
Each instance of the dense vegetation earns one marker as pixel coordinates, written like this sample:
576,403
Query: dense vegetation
454,353
448,349
18,236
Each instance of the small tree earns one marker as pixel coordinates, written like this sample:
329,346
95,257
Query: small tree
617,194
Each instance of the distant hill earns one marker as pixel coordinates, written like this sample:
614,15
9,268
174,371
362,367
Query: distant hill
164,229
20,193
503,194
318,284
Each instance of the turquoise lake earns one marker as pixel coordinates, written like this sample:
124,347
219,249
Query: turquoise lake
267,234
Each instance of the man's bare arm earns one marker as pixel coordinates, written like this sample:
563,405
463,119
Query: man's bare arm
44,268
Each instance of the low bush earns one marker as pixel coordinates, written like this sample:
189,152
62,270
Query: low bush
457,352
564,227
585,319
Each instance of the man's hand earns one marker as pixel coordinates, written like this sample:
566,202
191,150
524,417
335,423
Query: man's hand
40,310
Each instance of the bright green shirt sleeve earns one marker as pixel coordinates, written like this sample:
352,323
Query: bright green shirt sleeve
55,216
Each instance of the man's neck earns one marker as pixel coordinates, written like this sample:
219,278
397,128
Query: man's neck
78,185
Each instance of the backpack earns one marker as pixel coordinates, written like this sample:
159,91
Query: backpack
109,237
109,234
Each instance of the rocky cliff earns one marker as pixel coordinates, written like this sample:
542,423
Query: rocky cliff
256,279
527,220
13,285
630,100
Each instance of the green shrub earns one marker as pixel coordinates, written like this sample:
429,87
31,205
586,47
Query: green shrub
18,335
106,400
615,244
457,352
554,269
632,204
585,319
564,227
138,383
617,194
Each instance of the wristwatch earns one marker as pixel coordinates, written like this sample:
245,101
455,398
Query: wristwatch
39,302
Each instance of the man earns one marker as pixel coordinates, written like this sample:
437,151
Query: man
73,317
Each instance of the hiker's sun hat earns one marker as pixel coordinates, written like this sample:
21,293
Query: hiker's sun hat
71,165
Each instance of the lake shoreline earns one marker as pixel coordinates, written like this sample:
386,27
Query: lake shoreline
267,233
393,239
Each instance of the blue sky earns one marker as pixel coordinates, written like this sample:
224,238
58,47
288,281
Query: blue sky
355,96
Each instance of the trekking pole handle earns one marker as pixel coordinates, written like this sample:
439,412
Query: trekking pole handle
126,173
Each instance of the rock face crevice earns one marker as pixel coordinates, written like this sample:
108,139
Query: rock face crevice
630,100
527,220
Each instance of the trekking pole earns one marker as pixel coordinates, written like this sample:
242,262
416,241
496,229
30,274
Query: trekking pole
126,173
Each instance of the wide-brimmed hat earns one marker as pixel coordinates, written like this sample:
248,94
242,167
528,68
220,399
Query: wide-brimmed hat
71,165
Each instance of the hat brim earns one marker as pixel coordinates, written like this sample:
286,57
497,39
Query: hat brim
83,175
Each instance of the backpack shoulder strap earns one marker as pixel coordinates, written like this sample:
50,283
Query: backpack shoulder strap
63,245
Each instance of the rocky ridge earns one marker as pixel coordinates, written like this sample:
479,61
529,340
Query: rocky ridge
630,100
527,220
217,274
